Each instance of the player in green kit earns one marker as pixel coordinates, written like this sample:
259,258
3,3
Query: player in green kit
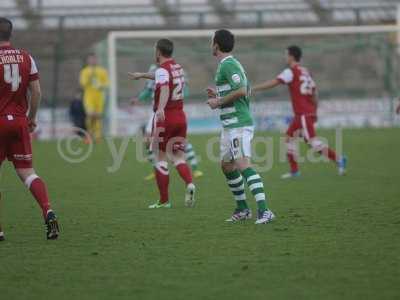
231,97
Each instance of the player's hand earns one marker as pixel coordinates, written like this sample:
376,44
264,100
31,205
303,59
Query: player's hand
213,103
160,115
32,125
211,92
135,75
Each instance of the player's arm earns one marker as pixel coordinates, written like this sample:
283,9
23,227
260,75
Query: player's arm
164,95
285,77
162,80
238,84
36,96
315,97
267,85
228,99
138,75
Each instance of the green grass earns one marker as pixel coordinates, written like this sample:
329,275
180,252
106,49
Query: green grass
334,237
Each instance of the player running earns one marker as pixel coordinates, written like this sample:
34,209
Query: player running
147,95
232,98
304,98
169,123
18,77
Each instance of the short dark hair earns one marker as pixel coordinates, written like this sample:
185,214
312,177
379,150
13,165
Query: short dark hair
296,52
6,27
166,47
225,40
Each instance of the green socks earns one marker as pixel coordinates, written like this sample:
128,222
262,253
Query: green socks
256,187
191,156
236,185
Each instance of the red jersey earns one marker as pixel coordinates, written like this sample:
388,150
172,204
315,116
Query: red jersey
17,70
170,73
302,89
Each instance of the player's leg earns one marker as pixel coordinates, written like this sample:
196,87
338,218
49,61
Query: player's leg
178,158
292,148
97,127
241,148
81,129
38,189
175,138
158,146
146,132
184,171
191,158
98,119
20,153
150,158
235,182
234,179
90,115
162,179
317,145
36,186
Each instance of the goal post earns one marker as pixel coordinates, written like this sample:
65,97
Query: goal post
355,38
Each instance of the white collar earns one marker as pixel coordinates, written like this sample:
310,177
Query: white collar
225,58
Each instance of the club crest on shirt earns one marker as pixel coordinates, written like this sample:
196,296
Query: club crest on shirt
236,78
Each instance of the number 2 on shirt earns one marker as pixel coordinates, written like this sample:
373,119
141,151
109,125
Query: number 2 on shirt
177,93
307,84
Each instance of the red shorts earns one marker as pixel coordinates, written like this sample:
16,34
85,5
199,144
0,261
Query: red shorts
304,124
15,141
171,134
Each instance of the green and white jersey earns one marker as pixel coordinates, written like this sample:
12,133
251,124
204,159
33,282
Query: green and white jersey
231,76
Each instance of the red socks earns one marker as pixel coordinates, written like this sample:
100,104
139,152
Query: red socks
331,154
39,192
292,152
294,167
323,149
162,178
184,171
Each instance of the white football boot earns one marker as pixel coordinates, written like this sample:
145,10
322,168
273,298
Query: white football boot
239,215
265,217
290,175
189,195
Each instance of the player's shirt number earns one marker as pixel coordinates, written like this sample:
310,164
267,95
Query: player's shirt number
11,76
177,93
307,85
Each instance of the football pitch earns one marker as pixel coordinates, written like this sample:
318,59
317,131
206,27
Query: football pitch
333,238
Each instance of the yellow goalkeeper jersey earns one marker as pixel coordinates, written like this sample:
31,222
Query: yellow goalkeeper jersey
93,80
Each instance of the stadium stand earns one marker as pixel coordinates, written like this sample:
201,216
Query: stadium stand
62,33
198,13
